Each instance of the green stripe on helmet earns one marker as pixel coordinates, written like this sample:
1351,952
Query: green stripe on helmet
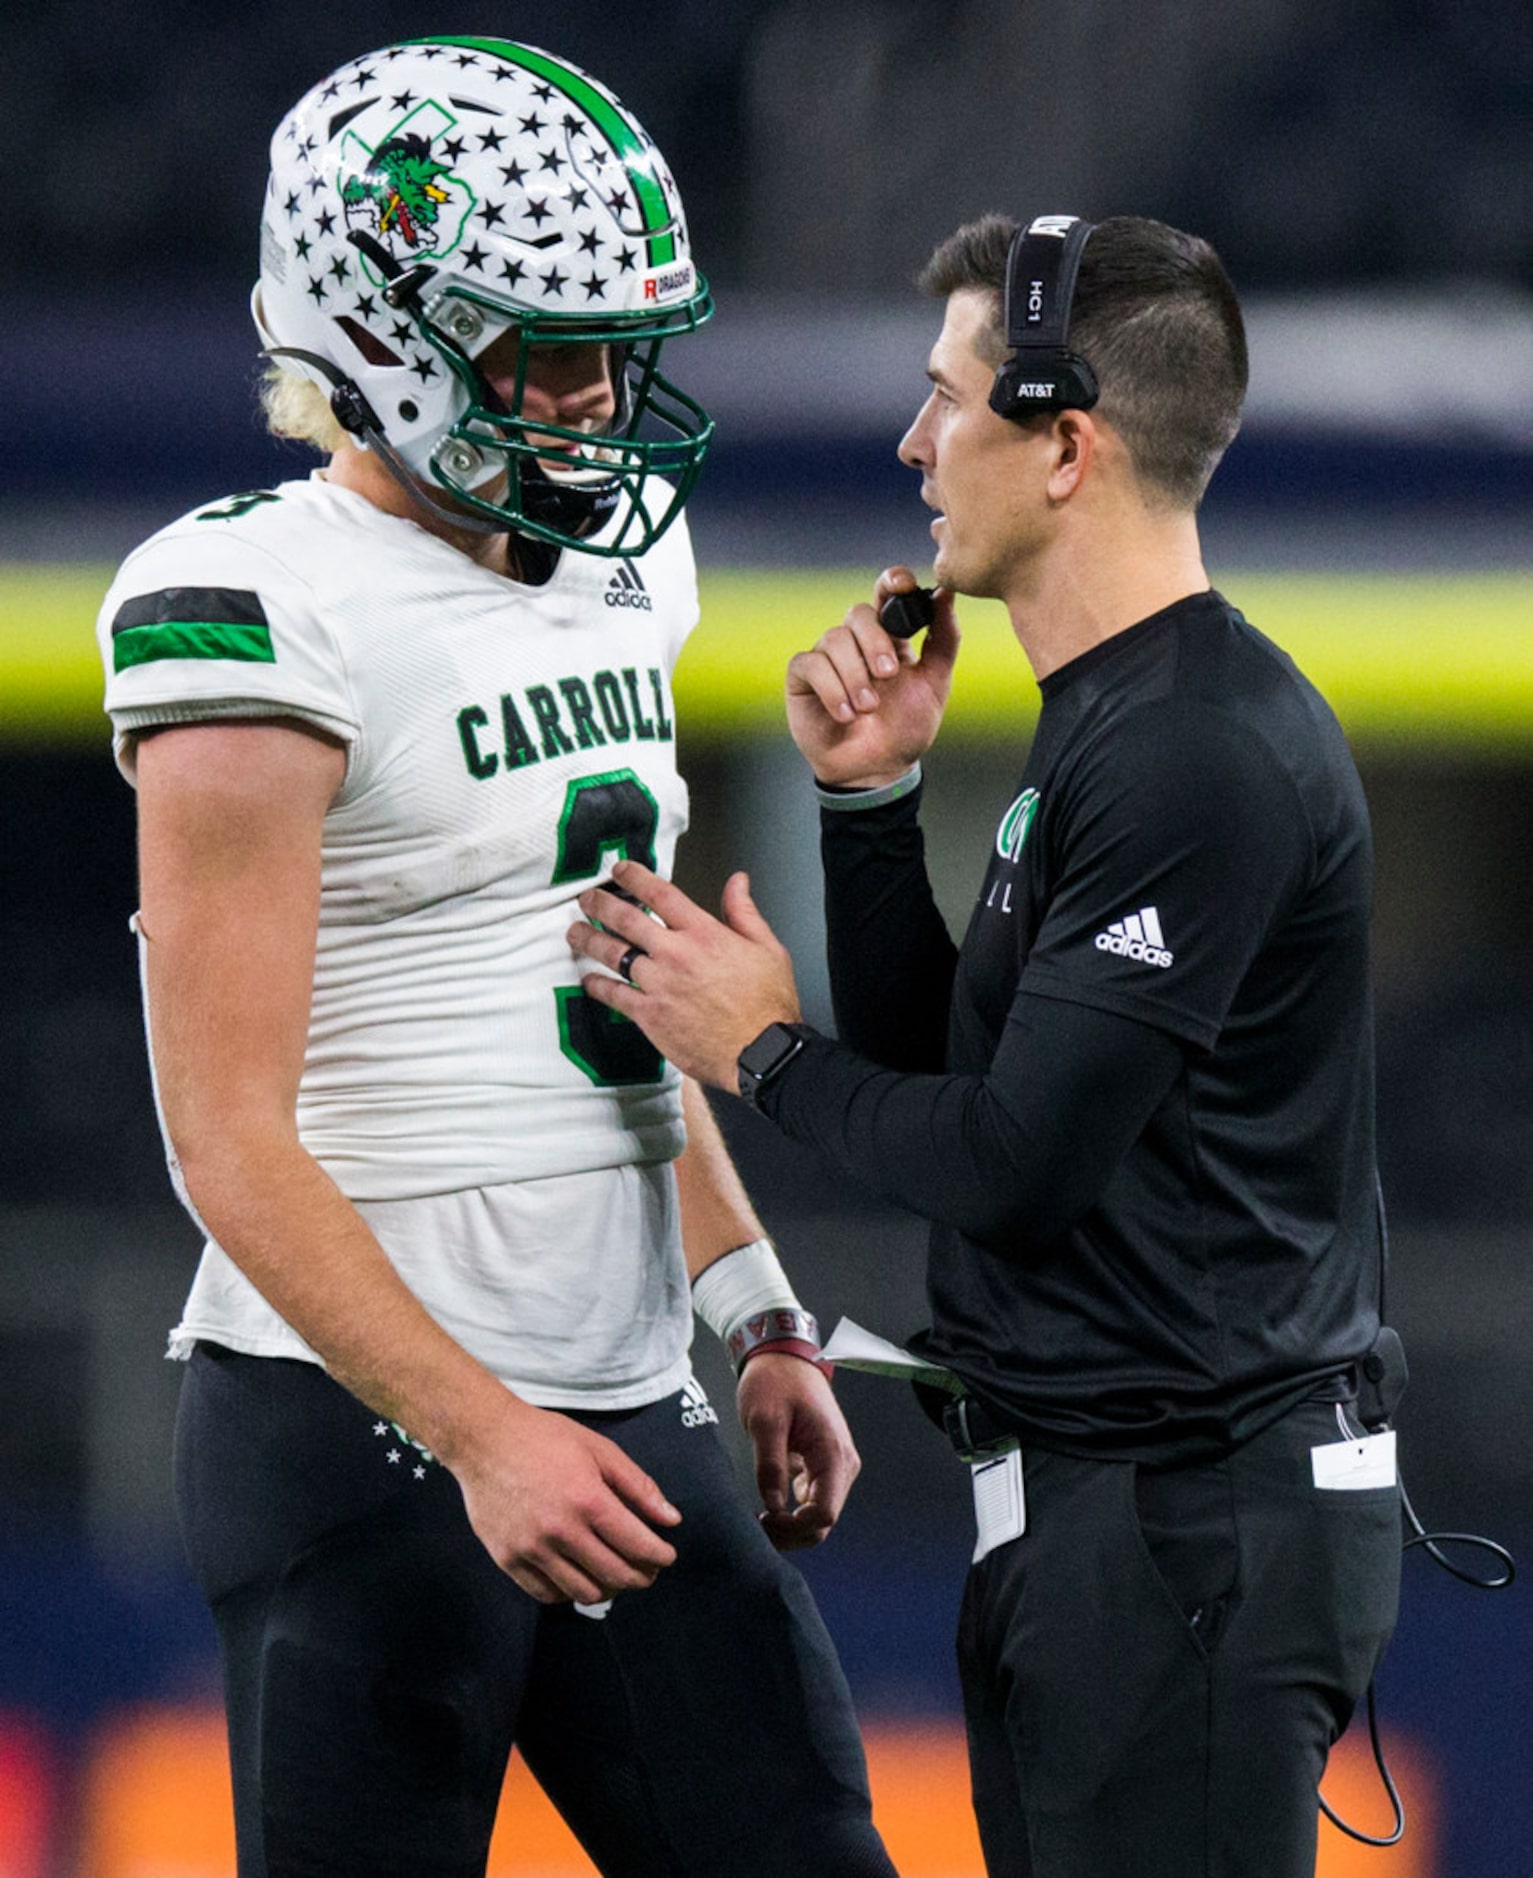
612,123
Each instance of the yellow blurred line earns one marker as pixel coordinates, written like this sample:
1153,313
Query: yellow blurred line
50,675
1437,659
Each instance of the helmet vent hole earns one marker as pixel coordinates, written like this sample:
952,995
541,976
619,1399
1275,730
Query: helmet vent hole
368,344
409,410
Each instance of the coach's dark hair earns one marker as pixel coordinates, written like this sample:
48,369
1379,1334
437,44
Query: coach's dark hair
1157,320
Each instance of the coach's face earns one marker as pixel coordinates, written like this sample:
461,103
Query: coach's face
978,471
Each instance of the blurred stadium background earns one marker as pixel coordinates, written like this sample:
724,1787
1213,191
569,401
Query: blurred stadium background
1365,169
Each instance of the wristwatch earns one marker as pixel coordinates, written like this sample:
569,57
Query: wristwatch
766,1057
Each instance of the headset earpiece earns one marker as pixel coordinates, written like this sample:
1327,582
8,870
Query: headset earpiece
1043,380
1042,373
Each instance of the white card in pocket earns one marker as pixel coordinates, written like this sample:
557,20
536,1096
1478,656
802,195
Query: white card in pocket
1000,1512
1342,1466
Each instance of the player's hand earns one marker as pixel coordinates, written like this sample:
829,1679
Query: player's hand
703,987
562,1510
862,706
805,1459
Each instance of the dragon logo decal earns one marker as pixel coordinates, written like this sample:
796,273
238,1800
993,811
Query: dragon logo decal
402,192
402,187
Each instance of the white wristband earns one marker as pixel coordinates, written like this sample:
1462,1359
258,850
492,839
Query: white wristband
740,1285
850,800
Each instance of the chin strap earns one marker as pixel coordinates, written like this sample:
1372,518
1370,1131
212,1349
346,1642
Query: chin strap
573,507
531,560
424,498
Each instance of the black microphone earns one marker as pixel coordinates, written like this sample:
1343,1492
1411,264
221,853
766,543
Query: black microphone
903,615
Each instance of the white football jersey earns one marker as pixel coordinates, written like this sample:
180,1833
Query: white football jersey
505,744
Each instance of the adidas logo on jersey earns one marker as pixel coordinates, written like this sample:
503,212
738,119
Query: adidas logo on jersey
696,1410
626,589
1138,936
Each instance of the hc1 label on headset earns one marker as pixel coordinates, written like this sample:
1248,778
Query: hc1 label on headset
1058,226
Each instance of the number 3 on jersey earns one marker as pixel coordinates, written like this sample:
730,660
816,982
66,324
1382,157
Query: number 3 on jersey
610,813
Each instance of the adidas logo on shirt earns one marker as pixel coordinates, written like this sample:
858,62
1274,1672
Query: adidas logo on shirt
696,1410
626,589
1138,936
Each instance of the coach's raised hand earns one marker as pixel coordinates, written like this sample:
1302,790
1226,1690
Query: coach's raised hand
864,706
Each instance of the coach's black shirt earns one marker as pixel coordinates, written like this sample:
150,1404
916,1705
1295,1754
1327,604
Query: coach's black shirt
1138,1104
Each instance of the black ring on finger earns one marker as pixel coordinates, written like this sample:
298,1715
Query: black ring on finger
625,964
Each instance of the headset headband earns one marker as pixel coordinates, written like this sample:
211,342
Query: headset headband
1042,374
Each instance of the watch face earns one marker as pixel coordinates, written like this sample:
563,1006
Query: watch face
764,1056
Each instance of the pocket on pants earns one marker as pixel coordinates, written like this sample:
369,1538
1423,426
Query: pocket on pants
1187,1523
1327,1560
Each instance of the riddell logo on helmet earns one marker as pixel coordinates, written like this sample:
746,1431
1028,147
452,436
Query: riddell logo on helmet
668,281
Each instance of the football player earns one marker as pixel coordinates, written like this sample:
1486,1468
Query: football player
444,1473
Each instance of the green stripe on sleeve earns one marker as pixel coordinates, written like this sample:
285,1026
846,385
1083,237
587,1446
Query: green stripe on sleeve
191,639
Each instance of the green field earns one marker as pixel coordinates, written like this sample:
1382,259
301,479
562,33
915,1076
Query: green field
1435,659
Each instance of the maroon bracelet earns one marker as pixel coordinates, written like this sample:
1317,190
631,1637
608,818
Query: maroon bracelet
790,1346
779,1328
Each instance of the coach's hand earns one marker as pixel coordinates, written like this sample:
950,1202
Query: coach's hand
805,1459
561,1509
698,987
864,707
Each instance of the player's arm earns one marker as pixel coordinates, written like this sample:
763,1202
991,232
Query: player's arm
804,1455
230,824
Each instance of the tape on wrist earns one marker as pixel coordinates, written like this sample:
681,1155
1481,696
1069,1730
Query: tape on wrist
745,1299
740,1284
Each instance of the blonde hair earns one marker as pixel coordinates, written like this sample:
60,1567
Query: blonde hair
298,409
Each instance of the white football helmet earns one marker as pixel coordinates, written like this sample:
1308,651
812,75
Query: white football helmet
430,197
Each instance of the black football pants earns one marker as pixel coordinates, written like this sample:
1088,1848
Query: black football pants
378,1666
1155,1670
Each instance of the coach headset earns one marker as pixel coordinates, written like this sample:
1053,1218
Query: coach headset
1041,373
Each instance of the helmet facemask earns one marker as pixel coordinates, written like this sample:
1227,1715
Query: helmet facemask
563,484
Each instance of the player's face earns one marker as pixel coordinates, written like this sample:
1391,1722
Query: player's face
568,384
974,465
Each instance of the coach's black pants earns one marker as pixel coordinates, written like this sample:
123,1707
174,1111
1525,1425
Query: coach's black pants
379,1666
1155,1670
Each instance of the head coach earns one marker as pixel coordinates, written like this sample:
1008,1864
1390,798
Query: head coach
1136,1103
